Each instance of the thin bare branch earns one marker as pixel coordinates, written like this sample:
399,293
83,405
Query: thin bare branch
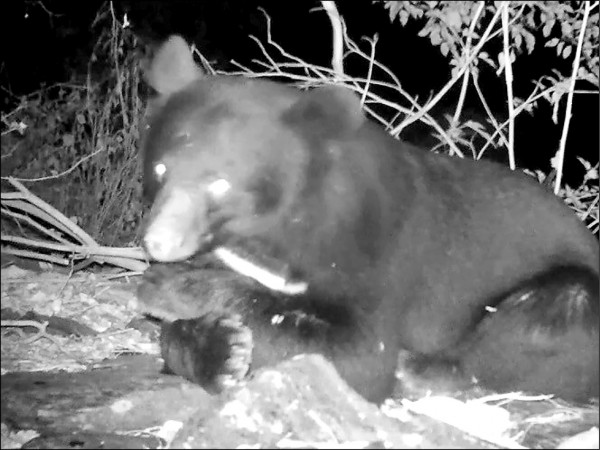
559,158
337,58
508,76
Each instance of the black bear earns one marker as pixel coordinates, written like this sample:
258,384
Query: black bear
373,246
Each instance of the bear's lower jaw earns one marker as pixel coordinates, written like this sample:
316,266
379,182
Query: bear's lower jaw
169,248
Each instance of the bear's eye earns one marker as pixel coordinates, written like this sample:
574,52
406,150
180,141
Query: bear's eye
160,171
218,188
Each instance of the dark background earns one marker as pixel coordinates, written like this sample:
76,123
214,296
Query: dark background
45,42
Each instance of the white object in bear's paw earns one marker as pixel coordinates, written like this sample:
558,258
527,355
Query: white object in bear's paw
219,187
160,170
261,274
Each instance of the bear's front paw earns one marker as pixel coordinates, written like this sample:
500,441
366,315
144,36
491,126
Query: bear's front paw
214,350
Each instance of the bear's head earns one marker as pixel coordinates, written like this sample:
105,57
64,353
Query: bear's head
236,158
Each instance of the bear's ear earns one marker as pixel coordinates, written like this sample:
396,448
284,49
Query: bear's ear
329,111
172,67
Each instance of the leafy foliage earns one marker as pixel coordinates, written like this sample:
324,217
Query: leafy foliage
75,143
470,35
448,23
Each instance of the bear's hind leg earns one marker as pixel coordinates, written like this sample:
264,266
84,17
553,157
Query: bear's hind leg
542,338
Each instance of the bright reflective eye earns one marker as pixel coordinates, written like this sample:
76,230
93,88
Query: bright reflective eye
219,187
160,170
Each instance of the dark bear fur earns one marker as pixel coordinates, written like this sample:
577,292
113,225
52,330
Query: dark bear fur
402,249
